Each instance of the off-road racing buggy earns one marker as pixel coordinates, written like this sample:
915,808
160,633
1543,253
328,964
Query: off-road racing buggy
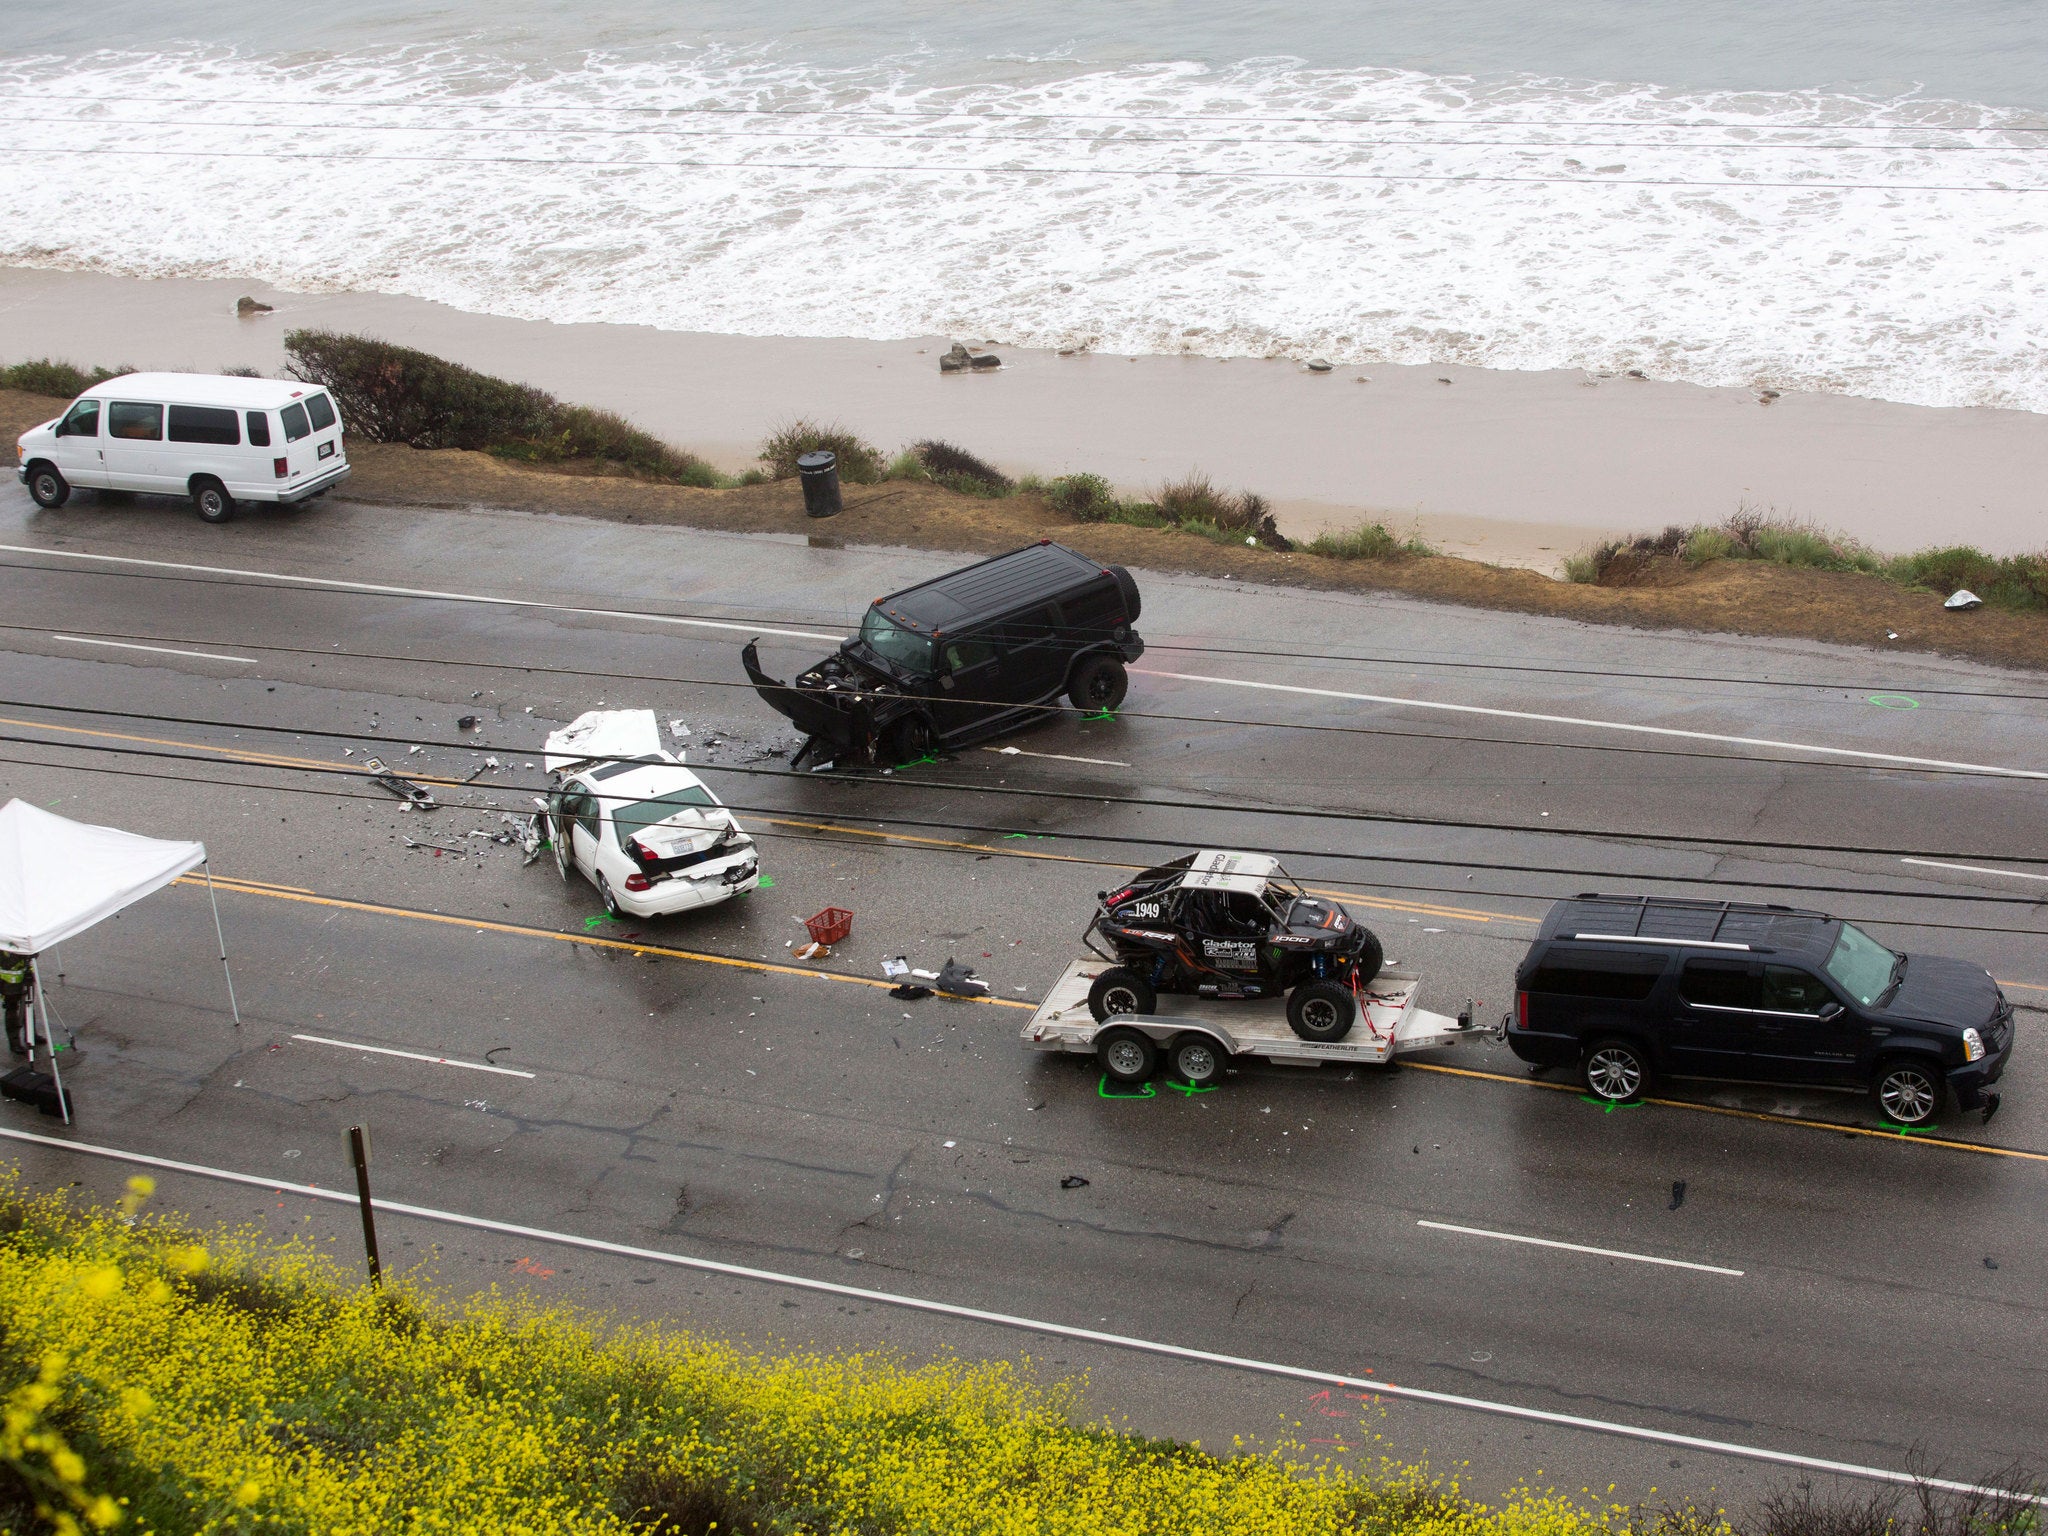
970,654
1236,927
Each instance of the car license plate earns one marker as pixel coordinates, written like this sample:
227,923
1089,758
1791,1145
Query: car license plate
327,450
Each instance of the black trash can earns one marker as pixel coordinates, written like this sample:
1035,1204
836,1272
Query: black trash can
820,474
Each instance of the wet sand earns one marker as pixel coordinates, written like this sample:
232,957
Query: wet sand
1518,468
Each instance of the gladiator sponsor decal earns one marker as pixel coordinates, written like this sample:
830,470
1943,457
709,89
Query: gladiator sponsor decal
1239,954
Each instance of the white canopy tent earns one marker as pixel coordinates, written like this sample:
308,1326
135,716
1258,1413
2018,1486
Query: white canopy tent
59,877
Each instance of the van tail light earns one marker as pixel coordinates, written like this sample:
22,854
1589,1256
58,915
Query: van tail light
280,467
638,882
1521,1010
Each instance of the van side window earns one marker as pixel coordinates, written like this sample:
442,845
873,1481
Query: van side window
295,424
1594,973
204,424
1720,984
321,412
1790,990
259,428
82,420
139,423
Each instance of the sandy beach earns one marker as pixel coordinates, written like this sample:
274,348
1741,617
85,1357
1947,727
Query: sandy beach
1517,468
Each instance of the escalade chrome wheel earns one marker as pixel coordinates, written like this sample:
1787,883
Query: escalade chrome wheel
1908,1093
1616,1071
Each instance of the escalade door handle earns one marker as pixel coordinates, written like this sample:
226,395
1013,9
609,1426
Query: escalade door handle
1880,1030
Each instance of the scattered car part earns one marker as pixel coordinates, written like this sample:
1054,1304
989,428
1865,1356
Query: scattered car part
1962,599
415,795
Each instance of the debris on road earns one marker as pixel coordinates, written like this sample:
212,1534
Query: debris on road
1073,1181
438,848
415,796
830,926
1963,599
468,723
909,992
900,966
1677,1194
815,951
956,980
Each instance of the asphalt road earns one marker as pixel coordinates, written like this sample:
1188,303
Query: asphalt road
1889,1305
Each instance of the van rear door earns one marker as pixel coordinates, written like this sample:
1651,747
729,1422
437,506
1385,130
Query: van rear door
327,450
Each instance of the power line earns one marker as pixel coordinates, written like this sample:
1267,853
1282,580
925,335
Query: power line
1208,174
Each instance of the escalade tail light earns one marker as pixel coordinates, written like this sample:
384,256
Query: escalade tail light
280,467
1521,1010
638,882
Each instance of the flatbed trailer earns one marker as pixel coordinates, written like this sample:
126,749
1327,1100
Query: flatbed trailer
1389,1025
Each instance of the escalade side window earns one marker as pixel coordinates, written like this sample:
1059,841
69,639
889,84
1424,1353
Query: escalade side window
1593,973
82,420
1720,984
1790,990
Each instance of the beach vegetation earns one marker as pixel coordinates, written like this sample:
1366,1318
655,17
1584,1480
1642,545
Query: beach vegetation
60,381
393,394
1367,541
2015,582
860,462
956,469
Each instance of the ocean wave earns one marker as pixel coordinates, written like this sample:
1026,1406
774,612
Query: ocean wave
1806,240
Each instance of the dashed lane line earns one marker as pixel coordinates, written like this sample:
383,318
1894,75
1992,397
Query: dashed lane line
1367,1386
1604,1253
439,1061
160,650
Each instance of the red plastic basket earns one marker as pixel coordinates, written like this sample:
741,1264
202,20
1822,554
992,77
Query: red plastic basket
830,926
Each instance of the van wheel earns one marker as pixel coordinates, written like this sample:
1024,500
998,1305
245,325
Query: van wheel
1322,1011
1127,1056
48,487
1616,1071
1120,990
1907,1093
210,499
1099,684
1198,1059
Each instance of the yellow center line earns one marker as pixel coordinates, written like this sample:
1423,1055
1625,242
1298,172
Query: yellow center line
632,946
1748,1114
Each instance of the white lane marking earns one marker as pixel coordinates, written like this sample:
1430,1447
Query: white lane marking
1056,757
1975,869
1605,1253
1028,1324
389,591
1604,725
161,650
439,1061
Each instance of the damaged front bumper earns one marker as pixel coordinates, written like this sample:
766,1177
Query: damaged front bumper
838,725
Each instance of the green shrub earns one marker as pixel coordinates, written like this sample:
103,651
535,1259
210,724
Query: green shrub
1194,499
1366,541
60,381
959,470
860,463
1084,498
394,394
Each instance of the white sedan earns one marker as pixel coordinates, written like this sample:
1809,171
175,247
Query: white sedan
640,826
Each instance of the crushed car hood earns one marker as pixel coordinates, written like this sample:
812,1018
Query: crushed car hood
598,733
1938,990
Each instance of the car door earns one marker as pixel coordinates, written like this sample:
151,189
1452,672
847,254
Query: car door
1034,655
1803,1033
1713,1023
79,452
970,682
577,819
134,443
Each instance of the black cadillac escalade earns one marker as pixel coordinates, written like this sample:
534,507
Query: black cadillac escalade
1628,988
975,652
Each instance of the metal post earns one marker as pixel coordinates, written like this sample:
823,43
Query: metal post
233,1007
359,1151
50,1040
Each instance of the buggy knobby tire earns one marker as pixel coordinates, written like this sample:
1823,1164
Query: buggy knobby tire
1322,1011
1120,990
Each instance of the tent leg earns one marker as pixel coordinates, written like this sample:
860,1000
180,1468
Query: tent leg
50,1040
233,1006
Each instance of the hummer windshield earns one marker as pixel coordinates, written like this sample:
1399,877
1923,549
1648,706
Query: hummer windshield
896,645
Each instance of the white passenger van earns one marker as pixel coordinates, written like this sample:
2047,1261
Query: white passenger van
217,438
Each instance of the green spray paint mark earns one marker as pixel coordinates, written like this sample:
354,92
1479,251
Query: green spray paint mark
1102,1088
1905,1130
1101,714
1894,701
1035,837
1189,1090
767,882
917,762
1609,1106
591,922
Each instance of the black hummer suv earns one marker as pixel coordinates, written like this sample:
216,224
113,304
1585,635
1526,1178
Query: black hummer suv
970,654
1231,926
1626,988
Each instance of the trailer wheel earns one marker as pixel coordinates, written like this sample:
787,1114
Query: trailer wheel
1127,1056
1198,1059
1322,1011
1120,990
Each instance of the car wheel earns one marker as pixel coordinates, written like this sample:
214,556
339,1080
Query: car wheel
1121,990
907,741
1616,1071
1127,1056
1322,1011
1372,955
210,499
1198,1059
48,486
611,902
1907,1093
1099,684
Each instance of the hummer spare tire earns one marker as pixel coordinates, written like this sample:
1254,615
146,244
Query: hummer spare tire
1322,1012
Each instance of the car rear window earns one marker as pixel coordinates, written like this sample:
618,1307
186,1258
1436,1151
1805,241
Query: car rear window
1720,984
295,424
1596,973
136,422
204,424
259,429
638,817
321,412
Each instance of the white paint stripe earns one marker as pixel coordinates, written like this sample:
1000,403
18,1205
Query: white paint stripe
439,1061
161,650
1605,725
1605,1253
1056,757
1975,869
389,591
1028,1324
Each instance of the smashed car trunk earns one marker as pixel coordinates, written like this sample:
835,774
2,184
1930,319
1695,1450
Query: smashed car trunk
837,720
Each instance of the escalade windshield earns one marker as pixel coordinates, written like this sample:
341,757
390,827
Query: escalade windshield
1861,966
895,644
